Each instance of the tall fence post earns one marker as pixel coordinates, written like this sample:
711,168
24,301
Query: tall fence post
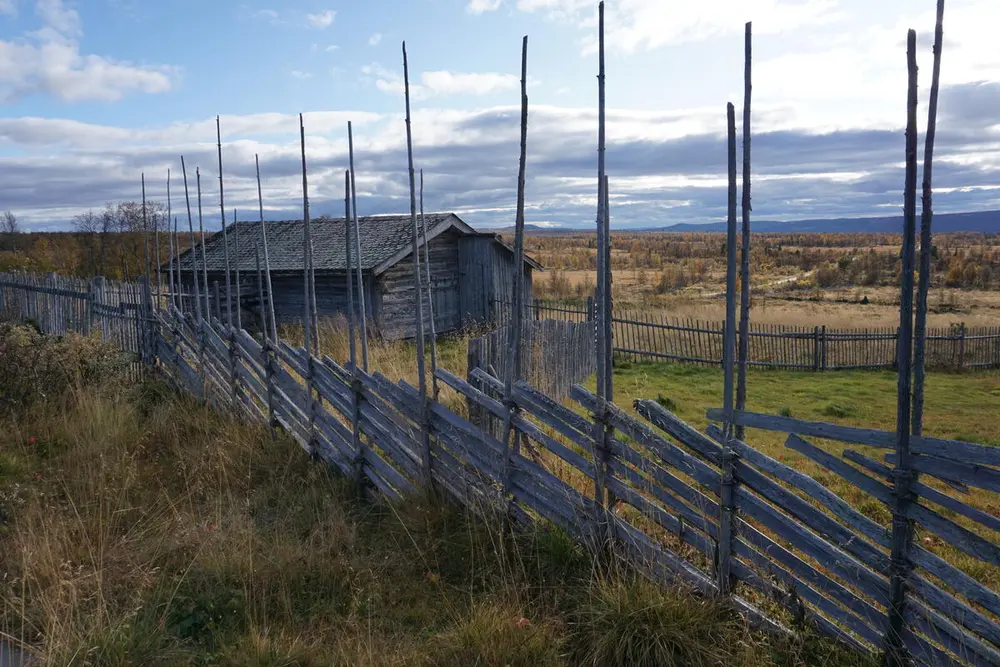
896,653
724,579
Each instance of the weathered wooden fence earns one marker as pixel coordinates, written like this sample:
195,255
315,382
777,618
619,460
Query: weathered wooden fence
555,354
645,336
664,497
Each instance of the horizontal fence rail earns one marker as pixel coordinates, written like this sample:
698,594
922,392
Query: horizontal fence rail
644,336
798,555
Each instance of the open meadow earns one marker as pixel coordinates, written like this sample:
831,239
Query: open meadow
840,280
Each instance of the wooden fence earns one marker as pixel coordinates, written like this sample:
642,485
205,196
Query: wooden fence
733,522
643,336
555,354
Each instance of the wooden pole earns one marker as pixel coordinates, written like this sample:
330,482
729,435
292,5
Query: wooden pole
926,238
362,306
201,230
726,523
171,232
229,284
145,230
171,237
604,332
307,328
430,292
512,372
267,262
239,300
744,350
899,564
194,246
156,249
351,315
418,301
222,214
356,394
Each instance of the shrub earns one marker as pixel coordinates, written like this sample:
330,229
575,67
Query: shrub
34,366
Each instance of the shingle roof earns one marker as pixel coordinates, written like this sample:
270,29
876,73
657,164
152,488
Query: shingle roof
382,236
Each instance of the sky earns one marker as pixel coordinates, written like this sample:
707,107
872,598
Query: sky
96,93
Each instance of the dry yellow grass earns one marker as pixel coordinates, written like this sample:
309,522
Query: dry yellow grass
140,528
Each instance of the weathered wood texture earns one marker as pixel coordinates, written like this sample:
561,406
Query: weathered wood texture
486,271
795,542
554,354
642,336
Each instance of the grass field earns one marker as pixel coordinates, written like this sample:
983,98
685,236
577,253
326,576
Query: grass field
139,528
960,406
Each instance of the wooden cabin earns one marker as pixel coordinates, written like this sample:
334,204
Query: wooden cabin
471,272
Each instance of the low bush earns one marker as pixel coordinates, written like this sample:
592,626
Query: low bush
34,366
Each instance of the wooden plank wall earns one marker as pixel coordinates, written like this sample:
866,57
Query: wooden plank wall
395,288
486,271
800,554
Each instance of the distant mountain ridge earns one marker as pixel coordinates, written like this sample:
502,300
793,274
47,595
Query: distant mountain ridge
987,222
978,221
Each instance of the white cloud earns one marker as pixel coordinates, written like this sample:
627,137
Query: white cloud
58,17
635,25
323,19
449,83
375,39
440,82
49,61
480,6
331,48
8,7
264,14
298,74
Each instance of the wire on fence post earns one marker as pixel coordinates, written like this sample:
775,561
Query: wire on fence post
726,518
896,654
926,238
362,306
744,350
418,303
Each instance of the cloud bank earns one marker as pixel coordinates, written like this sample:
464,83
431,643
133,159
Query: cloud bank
664,167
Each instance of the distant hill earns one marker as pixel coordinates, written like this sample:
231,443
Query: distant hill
980,221
987,222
